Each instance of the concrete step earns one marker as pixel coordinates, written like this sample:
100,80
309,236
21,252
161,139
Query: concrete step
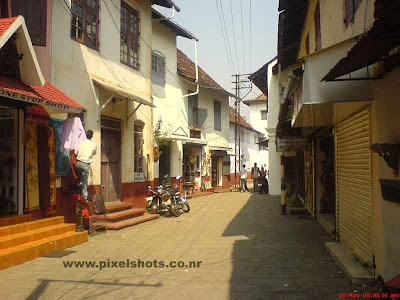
125,214
23,227
12,220
131,221
29,251
117,206
18,239
349,264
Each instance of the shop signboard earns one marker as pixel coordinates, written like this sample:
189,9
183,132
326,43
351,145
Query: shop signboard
292,144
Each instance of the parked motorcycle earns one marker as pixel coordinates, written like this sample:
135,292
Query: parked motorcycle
159,199
262,186
180,201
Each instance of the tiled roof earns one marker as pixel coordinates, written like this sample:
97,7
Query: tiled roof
186,67
242,122
260,97
5,24
48,92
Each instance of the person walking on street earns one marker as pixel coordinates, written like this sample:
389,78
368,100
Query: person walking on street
243,178
84,156
255,173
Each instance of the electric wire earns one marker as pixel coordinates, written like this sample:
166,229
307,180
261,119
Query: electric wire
244,59
227,36
223,36
234,35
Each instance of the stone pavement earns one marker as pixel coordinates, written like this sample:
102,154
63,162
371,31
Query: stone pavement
247,250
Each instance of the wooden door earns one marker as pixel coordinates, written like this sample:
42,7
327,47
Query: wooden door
111,164
214,171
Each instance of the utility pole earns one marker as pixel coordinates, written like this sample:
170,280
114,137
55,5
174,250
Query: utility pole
239,84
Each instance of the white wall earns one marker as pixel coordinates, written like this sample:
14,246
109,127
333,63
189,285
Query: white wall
255,116
74,64
273,112
250,152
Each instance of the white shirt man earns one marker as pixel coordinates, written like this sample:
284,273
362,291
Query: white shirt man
243,179
84,156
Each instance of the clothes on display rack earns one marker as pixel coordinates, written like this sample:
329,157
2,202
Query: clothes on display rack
72,134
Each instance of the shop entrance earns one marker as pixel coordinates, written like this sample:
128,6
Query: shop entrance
8,161
111,159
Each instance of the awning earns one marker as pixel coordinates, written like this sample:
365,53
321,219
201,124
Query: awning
195,142
218,148
121,93
47,95
383,36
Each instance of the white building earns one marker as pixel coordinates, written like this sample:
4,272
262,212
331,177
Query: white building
250,150
272,92
195,126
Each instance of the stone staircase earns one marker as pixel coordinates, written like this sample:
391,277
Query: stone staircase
22,239
121,214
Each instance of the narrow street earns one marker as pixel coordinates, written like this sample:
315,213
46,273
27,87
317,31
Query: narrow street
247,251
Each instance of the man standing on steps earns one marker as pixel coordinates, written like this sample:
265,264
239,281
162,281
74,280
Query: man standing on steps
255,173
84,156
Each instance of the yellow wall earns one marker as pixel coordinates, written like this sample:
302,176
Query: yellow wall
333,28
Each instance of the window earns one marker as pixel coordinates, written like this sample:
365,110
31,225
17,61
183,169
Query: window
308,44
193,110
35,14
317,23
158,74
129,52
264,114
351,7
85,22
255,139
138,147
217,115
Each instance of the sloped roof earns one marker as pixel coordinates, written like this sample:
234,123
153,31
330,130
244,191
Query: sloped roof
178,29
186,67
259,98
242,121
166,3
5,24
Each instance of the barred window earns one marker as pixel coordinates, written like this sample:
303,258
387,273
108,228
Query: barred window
85,22
129,51
158,74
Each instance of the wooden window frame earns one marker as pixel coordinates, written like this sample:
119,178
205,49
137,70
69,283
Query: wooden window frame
266,113
131,36
318,29
217,120
138,142
36,23
86,9
350,10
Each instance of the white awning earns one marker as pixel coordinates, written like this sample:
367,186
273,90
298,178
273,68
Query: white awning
122,93
218,148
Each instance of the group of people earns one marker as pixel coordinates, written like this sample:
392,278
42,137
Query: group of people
257,174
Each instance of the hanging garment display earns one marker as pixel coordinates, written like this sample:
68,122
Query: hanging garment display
52,167
61,157
31,165
72,134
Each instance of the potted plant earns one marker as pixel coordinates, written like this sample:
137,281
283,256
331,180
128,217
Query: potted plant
159,140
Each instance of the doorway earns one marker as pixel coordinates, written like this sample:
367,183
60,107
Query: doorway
165,164
111,159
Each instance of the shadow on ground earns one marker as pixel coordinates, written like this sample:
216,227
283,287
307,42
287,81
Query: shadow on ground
284,256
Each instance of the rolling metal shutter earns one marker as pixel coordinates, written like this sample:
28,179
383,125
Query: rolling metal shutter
354,195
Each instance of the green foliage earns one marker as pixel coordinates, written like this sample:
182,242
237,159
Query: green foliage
159,136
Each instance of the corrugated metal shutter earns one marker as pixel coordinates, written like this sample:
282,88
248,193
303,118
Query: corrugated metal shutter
354,196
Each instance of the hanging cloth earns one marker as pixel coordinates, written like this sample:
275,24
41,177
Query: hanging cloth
72,134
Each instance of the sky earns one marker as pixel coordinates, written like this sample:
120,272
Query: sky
201,19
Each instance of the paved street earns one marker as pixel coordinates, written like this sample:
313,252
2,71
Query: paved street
248,251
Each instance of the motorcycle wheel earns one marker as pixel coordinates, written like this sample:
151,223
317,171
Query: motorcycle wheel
154,208
172,209
186,207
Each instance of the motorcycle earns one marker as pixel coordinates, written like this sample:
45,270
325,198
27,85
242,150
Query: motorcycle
159,199
180,201
263,186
